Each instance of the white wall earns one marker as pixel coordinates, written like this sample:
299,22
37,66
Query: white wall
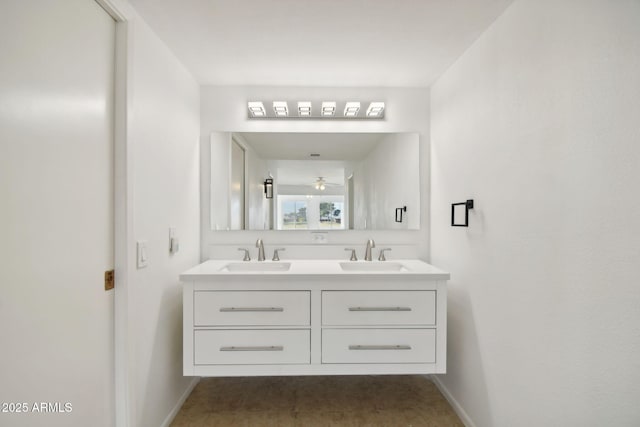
257,206
538,122
224,108
220,147
163,135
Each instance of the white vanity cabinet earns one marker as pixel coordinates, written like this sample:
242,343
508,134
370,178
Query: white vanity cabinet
313,322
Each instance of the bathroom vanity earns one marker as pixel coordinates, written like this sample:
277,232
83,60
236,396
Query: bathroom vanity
314,317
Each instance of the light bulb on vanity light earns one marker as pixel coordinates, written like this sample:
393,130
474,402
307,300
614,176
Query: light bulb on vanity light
281,108
304,109
328,108
351,109
256,109
375,109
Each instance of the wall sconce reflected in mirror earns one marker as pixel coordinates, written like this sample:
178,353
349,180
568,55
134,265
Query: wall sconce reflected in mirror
268,188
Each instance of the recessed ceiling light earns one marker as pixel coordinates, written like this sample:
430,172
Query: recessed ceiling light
375,109
281,108
328,108
256,108
351,109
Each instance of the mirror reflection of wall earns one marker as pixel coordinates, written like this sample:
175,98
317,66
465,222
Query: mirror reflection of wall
237,190
321,181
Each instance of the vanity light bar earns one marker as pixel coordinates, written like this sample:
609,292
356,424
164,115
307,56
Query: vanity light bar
310,110
351,109
304,109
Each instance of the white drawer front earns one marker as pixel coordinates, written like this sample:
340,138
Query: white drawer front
379,308
251,308
378,346
251,347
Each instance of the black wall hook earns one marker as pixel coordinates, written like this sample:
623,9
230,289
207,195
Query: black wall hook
467,206
399,213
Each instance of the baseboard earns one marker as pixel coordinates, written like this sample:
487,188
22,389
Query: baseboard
464,417
167,422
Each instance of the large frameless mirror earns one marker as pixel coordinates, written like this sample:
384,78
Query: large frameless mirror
314,181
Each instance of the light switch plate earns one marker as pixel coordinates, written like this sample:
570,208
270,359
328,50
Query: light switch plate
141,254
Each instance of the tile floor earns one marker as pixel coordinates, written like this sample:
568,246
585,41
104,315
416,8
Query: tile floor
316,401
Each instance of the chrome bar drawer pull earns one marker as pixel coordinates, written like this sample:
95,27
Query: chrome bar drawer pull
254,348
379,308
379,347
249,309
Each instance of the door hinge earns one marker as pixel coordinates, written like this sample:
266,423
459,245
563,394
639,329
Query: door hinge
109,280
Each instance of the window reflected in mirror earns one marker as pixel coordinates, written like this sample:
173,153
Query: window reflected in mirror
307,212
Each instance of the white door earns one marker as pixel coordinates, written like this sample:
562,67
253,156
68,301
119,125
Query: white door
56,212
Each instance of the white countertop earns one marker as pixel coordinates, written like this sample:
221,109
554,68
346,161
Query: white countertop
313,268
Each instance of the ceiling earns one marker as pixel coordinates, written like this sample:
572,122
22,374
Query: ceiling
291,175
300,146
353,43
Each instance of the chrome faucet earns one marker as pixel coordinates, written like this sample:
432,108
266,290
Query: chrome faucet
260,247
246,254
276,256
381,257
367,253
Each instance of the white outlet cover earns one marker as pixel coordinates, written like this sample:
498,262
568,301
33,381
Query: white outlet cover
320,237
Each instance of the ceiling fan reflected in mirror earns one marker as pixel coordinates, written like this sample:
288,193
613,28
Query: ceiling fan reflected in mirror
321,184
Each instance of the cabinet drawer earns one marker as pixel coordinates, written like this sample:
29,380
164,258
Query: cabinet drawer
378,346
251,308
379,308
252,347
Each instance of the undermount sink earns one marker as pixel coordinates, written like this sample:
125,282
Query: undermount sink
257,266
372,266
